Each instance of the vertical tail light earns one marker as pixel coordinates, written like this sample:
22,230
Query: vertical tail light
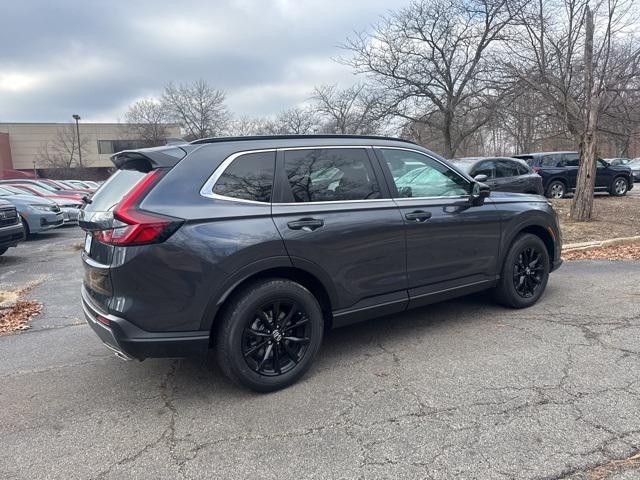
133,226
535,169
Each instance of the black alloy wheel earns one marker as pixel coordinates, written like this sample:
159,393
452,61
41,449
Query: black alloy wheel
269,334
528,272
525,272
276,337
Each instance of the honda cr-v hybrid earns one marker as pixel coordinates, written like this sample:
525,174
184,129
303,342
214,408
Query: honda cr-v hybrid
254,246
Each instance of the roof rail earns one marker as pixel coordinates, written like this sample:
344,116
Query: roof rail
294,137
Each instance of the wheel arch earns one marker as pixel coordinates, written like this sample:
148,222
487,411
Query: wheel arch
311,281
535,225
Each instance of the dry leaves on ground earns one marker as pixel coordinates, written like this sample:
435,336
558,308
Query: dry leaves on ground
14,312
614,252
16,317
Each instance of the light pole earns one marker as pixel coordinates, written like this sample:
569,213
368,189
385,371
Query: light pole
77,117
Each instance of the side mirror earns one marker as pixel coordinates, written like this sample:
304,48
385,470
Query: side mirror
481,178
479,191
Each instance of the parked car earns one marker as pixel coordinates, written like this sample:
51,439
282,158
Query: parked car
42,192
617,161
11,230
634,165
254,258
502,174
84,184
47,184
559,172
38,214
70,208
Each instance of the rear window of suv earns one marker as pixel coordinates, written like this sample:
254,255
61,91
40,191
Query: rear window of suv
107,197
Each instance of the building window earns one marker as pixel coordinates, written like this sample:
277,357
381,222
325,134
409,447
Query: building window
105,147
109,147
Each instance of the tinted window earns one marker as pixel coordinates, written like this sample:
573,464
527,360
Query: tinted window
249,177
505,168
487,168
523,169
330,174
428,178
113,190
570,160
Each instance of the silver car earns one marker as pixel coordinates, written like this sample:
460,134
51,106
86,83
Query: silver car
38,214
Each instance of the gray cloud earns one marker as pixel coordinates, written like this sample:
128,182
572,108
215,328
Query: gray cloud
94,58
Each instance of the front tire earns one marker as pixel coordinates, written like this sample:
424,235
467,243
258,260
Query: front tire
269,335
619,187
525,272
25,227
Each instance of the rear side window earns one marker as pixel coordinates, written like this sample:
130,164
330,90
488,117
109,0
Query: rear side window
523,169
330,174
249,177
505,168
570,160
110,194
550,161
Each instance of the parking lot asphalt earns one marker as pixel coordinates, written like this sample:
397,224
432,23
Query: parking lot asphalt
463,389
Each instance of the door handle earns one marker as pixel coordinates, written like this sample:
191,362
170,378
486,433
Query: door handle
306,224
418,216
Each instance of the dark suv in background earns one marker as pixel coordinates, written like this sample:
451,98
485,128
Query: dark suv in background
254,246
11,229
559,172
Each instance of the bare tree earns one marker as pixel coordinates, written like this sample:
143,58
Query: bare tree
63,150
431,60
297,120
579,61
198,107
354,110
147,120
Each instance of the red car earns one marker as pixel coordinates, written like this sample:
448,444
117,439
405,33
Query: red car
41,192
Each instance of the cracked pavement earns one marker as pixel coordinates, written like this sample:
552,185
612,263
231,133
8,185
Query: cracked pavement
463,389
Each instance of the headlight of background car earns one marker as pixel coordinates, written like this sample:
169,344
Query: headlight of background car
45,208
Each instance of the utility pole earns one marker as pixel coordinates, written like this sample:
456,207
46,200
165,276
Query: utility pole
77,118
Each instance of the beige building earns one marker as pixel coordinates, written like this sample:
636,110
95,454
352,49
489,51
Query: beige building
26,146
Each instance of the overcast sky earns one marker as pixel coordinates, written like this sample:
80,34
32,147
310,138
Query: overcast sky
59,57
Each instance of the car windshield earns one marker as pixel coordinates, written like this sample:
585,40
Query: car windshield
35,188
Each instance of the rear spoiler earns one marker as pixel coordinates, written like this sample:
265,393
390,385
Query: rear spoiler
147,159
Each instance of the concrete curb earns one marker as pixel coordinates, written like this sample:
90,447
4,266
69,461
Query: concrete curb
574,247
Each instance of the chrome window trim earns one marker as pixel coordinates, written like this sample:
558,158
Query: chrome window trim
207,188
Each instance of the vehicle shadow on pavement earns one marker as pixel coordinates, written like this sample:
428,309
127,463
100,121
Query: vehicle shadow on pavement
355,343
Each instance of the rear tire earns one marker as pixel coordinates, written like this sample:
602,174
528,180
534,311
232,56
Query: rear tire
619,187
269,335
556,189
525,272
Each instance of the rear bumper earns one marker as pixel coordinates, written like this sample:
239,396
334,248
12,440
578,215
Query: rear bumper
131,342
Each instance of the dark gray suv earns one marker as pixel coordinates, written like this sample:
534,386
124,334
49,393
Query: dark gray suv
254,246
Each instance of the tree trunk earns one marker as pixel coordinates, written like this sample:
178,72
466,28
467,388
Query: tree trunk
582,204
